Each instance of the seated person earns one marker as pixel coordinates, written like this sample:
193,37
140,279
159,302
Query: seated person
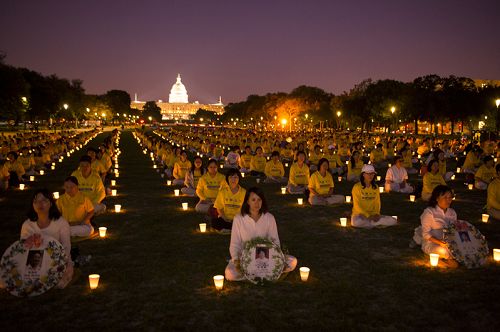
275,172
439,155
298,178
493,200
192,177
472,161
396,177
258,163
321,186
228,202
245,160
76,208
287,153
96,164
377,157
253,221
181,167
314,157
431,180
28,161
90,184
366,202
354,167
208,187
407,159
232,158
44,218
336,165
4,175
485,173
15,169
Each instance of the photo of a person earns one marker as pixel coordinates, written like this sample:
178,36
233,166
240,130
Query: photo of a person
34,260
464,236
261,253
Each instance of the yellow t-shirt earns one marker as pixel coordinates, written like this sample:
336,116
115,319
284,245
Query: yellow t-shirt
407,163
91,186
245,160
230,203
74,209
258,164
376,156
431,181
208,186
314,158
365,201
471,161
180,169
355,171
98,167
274,169
15,167
333,160
298,175
486,173
493,200
442,167
321,184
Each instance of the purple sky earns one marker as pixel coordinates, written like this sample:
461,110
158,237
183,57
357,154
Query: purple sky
237,48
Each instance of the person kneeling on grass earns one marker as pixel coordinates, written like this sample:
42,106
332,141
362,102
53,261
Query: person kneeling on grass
321,186
366,202
76,208
275,172
228,202
253,221
192,177
298,178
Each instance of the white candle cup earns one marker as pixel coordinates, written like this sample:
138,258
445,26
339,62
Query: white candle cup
203,227
117,171
221,166
185,206
117,166
242,175
379,178
381,189
283,190
412,198
496,255
56,194
117,175
102,231
155,167
300,201
32,178
169,182
339,179
219,282
485,217
286,164
113,192
458,169
42,172
453,177
343,222
470,186
257,180
176,192
395,217
304,273
52,167
348,199
389,165
21,186
118,208
113,183
347,162
434,259
94,280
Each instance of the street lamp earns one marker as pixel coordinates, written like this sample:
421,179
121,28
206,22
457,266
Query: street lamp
393,109
497,102
339,113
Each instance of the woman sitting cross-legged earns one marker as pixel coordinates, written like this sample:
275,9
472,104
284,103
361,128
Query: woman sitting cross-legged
228,202
366,202
192,177
396,177
298,178
321,186
274,170
208,187
253,221
431,180
181,167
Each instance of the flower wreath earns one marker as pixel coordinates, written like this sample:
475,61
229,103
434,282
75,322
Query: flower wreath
475,260
247,257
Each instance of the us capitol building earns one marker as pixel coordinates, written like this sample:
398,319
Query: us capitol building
178,106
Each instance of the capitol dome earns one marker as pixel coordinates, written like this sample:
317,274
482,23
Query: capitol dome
178,93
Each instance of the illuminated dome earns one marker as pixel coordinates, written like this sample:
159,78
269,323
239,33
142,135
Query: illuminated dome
178,93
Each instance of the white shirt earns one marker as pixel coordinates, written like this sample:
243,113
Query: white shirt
396,175
245,228
433,221
58,229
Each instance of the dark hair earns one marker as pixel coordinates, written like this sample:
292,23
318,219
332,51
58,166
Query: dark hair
245,208
432,162
487,158
213,161
13,154
86,159
202,169
92,149
259,147
398,157
439,191
54,213
321,161
71,179
363,184
497,168
231,172
275,154
352,161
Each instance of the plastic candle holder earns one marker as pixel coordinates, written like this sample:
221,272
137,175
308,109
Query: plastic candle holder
169,182
434,259
339,179
304,273
300,201
176,192
343,222
496,255
94,280
453,177
458,169
118,208
185,206
219,281
42,172
348,199
470,186
56,194
379,178
412,198
32,178
113,192
203,227
242,175
113,183
283,190
102,231
485,217
381,189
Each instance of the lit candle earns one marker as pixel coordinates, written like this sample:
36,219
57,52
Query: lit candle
21,186
453,177
458,169
412,198
169,182
113,192
185,206
485,217
221,166
42,172
304,273
242,175
348,199
56,194
94,280
300,201
154,166
379,178
117,175
471,186
52,167
219,281
339,179
395,217
176,192
496,255
203,227
381,189
113,183
343,222
434,258
283,190
102,231
32,178
117,166
286,164
389,165
118,208
257,180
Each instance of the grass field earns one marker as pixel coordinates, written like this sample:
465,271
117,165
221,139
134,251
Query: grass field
156,269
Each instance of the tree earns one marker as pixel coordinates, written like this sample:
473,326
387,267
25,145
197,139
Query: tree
152,110
118,101
14,94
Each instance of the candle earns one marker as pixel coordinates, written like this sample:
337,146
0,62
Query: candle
113,192
242,175
52,167
471,186
185,206
300,201
169,182
496,255
453,177
117,171
412,198
118,208
154,166
258,180
304,273
339,179
395,217
56,194
42,172
434,258
117,166
458,169
286,164
94,280
32,178
113,183
203,227
283,190
348,199
347,162
176,192
379,178
221,166
21,186
102,231
381,189
485,217
117,175
219,281
343,222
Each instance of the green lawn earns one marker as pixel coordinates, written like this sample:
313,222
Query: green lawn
156,269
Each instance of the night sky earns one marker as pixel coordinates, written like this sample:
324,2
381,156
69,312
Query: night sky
237,48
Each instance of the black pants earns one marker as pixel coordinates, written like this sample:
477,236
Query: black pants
219,223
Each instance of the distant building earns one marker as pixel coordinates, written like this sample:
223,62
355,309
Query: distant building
486,83
178,106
